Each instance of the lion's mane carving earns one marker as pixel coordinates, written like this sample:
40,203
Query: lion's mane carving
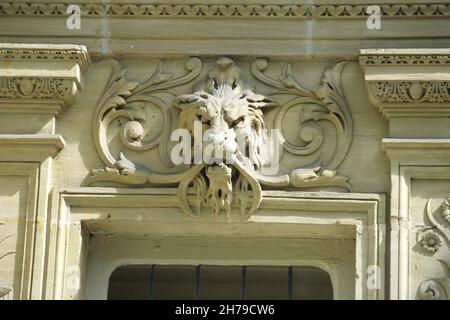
229,112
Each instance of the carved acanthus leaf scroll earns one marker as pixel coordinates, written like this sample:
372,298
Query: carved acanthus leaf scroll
231,116
128,100
325,103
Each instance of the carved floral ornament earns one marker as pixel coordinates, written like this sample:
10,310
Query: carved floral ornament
410,92
434,240
38,88
231,116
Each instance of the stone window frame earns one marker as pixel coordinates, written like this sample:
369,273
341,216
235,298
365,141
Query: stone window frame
400,237
364,212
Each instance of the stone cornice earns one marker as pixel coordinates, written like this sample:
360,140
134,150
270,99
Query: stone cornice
40,78
405,83
45,52
322,11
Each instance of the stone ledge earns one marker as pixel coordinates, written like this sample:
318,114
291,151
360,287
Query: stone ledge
30,147
416,143
418,151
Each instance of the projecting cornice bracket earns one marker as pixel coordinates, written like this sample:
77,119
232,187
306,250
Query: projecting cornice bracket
40,78
408,83
410,88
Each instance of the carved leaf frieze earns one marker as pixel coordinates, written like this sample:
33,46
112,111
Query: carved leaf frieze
38,88
231,116
323,11
326,103
411,92
127,100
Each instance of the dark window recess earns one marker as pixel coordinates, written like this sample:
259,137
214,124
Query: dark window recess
205,282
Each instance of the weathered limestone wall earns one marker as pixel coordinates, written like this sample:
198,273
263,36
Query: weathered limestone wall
371,195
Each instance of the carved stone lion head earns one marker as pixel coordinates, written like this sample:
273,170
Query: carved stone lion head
230,113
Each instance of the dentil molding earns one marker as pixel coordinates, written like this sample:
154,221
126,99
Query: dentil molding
40,78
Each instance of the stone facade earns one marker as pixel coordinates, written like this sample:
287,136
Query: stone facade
92,118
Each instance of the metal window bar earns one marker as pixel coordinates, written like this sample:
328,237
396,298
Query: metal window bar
290,282
244,282
197,282
150,289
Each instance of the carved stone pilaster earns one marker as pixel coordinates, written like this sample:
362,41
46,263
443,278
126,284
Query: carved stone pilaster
37,78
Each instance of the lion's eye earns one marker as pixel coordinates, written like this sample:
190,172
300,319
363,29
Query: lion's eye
238,121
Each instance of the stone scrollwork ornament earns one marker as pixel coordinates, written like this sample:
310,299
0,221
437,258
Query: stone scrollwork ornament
326,103
432,236
121,100
434,239
436,288
432,290
230,117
